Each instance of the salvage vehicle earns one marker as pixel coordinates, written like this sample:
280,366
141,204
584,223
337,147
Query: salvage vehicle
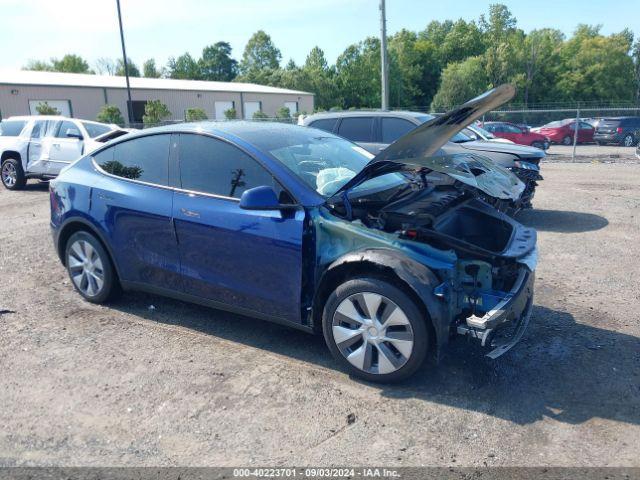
376,130
40,146
520,134
563,131
390,257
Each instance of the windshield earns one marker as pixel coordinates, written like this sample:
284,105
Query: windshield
96,129
11,128
462,137
327,162
485,133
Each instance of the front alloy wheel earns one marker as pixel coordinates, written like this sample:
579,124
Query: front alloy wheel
375,330
628,141
12,175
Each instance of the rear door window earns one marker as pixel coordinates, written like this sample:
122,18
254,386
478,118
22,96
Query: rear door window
145,159
357,129
394,128
11,128
326,124
39,129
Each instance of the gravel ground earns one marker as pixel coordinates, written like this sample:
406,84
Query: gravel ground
592,153
178,384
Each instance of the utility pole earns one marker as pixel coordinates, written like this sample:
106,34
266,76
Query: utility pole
384,81
126,66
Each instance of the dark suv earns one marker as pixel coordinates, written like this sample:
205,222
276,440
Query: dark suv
619,130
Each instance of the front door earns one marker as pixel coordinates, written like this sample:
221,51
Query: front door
248,260
64,146
133,205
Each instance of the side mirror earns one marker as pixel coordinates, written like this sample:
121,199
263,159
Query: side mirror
260,198
74,134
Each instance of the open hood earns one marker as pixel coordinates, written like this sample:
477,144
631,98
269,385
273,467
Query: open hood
418,150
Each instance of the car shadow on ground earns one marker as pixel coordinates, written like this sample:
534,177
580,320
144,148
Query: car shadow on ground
36,186
569,371
561,221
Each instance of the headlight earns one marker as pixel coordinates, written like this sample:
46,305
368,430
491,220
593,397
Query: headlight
525,165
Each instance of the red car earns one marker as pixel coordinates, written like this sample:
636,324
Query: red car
517,134
562,131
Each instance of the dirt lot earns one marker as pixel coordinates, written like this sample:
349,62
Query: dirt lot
183,385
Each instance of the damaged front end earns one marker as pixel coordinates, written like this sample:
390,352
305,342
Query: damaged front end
487,292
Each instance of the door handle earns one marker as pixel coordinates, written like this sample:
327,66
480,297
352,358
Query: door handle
189,213
57,145
102,196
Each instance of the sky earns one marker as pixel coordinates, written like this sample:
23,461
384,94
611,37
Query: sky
41,29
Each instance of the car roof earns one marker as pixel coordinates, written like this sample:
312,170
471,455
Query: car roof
368,113
40,117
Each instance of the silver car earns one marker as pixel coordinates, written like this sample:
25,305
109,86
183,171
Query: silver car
375,130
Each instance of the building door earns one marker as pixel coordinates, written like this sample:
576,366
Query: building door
222,107
250,108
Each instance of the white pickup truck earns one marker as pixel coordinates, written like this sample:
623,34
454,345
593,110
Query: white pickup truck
40,146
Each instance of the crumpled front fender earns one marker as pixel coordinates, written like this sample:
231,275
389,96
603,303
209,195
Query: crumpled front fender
420,279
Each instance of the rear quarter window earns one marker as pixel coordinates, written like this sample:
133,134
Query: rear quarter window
11,128
326,124
145,159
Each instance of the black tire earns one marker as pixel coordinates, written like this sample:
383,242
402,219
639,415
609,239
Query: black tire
537,144
628,140
416,327
110,287
12,174
567,141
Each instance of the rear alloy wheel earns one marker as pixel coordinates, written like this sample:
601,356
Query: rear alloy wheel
628,140
12,174
567,140
375,330
90,268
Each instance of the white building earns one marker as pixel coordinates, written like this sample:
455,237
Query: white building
82,96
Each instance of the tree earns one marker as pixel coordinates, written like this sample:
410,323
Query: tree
216,63
110,114
260,115
43,108
260,54
595,67
154,113
184,67
460,82
636,68
70,63
230,114
133,69
149,69
106,66
358,74
195,115
539,57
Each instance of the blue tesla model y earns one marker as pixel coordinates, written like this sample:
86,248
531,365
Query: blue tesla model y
388,257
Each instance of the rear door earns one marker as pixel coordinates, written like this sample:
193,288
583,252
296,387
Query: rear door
585,132
248,260
392,128
360,130
133,203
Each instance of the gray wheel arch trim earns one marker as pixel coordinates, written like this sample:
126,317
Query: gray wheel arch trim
419,277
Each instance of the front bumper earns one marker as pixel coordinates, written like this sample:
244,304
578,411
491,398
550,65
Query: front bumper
502,327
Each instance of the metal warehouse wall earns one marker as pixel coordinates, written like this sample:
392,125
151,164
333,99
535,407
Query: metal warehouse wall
87,101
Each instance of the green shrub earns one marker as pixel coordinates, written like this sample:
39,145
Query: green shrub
230,114
110,114
260,115
195,115
155,112
44,108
